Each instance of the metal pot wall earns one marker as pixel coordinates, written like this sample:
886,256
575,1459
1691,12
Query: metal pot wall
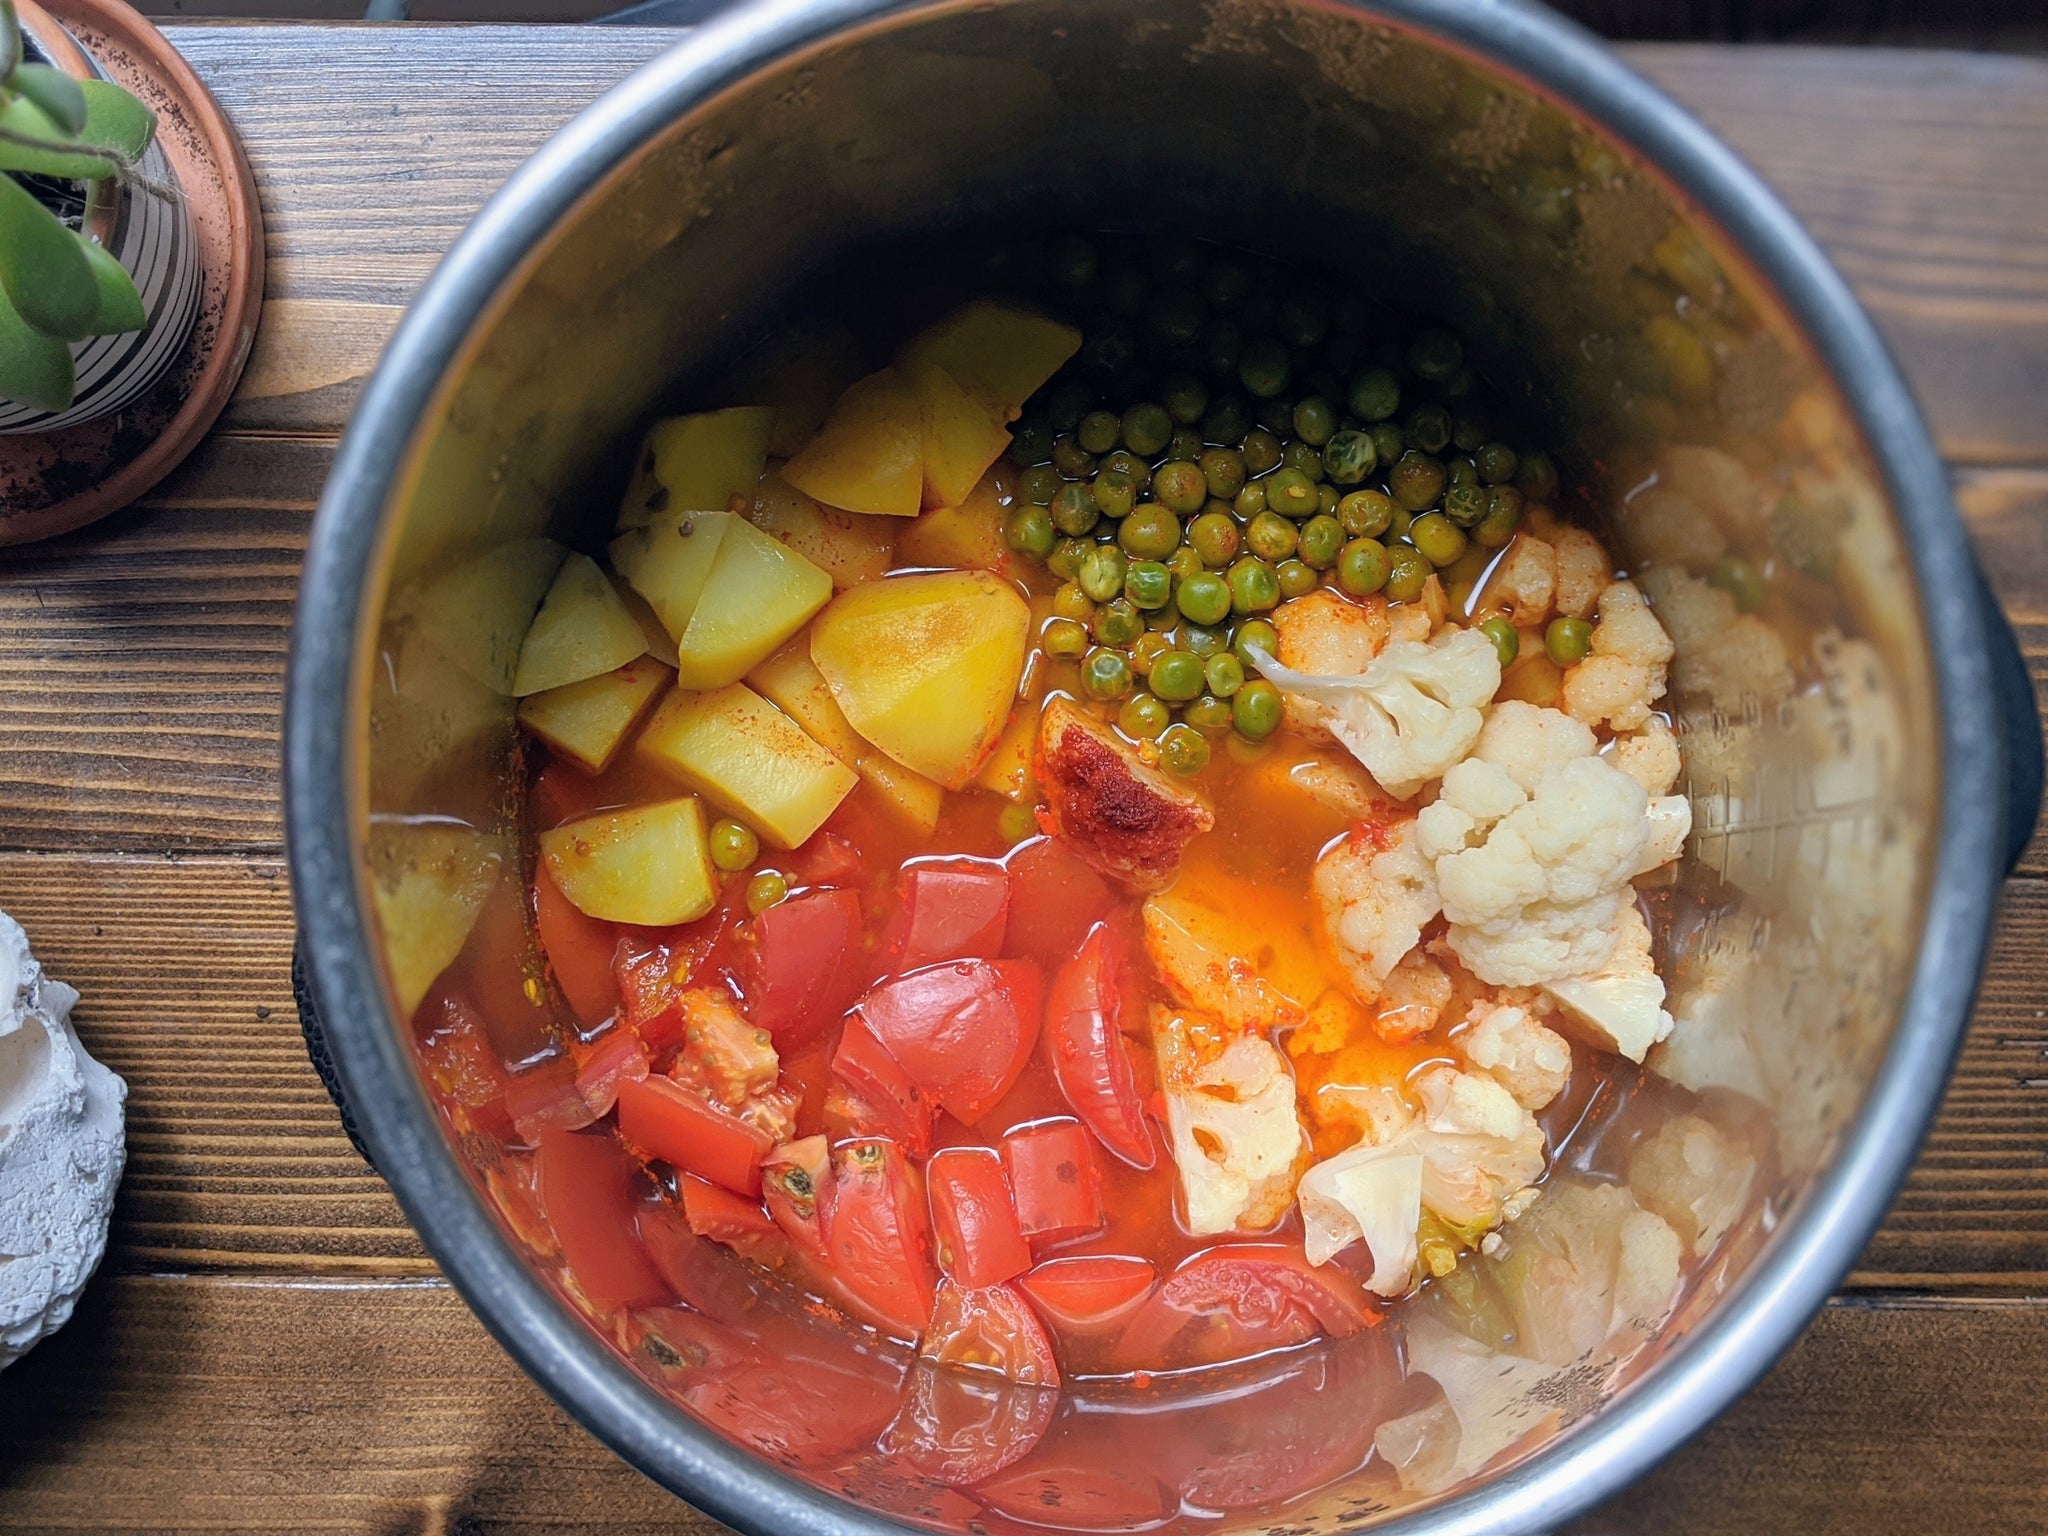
1489,165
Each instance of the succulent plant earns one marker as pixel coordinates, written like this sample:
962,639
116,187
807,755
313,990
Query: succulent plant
58,285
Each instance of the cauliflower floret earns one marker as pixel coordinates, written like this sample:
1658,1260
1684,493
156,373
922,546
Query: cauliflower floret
1665,525
1412,1000
1412,621
1526,739
1619,1006
1510,1045
1370,1194
1695,1178
1373,892
1624,673
1236,1141
1479,1147
1583,571
1649,756
1587,1264
1413,713
1198,953
1721,485
1524,583
1326,635
1731,659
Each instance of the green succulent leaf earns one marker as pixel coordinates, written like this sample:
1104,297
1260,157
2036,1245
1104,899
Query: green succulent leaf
30,140
10,40
120,305
115,120
34,369
55,92
43,268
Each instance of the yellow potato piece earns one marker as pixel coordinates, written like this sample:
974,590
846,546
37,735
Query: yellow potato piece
1000,354
748,758
648,864
1008,769
698,463
582,630
759,594
661,645
589,720
868,457
926,666
477,614
850,547
792,682
968,537
961,436
428,882
669,561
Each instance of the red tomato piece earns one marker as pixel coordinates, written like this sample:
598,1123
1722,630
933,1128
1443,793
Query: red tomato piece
826,858
796,1179
974,1219
739,1223
652,966
588,1189
1055,898
958,1031
1072,1495
545,1096
579,948
877,1238
948,909
612,1058
1088,1291
664,1120
802,965
880,1099
1055,1180
1091,1061
1247,1298
985,1388
455,1050
989,1328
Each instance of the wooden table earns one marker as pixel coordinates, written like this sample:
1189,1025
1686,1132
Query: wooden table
268,1349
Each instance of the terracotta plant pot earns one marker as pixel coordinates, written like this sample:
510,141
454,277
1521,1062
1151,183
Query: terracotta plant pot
146,399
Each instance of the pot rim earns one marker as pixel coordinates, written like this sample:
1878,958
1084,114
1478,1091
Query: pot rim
1767,1308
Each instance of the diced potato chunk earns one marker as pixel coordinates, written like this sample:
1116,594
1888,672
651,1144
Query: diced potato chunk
760,593
702,462
926,666
588,721
868,457
582,630
646,864
661,645
999,354
669,561
962,436
1008,769
748,758
428,881
792,682
478,613
968,537
911,795
850,547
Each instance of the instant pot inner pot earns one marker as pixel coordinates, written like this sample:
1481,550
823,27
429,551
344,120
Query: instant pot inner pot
1695,426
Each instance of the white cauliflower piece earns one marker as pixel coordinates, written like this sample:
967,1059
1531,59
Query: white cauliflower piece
1491,1400
1650,756
1709,1045
1694,1177
1722,486
1236,1141
1479,1147
1524,583
1731,659
1665,525
1646,1276
1326,635
1369,1194
1623,674
1514,1048
1412,1000
1413,712
1526,739
1586,1270
1411,621
1618,1007
1583,571
1373,893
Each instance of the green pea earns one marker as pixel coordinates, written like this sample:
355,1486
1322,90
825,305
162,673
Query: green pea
1205,640
1097,431
1184,562
1015,823
1227,420
1221,348
1074,511
1204,598
1143,717
1123,462
1507,642
1066,402
1066,638
1181,486
1151,532
1066,557
1176,317
1366,514
1254,634
1739,579
1458,471
1408,572
1071,261
1363,566
1416,480
1255,710
1176,259
1436,355
1183,750
1029,531
1186,398
1375,395
1465,505
1327,499
1041,483
1271,537
1315,420
1261,451
1224,674
1101,576
1162,620
733,845
1106,674
1251,501
1146,649
1223,471
1177,676
1297,578
1440,540
1149,585
1072,460
1113,492
1208,713
1320,542
1227,283
1349,456
1263,367
1073,602
1030,443
1147,429
1128,291
1387,442
1214,537
1503,516
1468,433
1568,641
1428,427
1185,446
1291,493
1254,588
1536,477
765,890
1301,457
1302,320
1117,623
1277,416
1497,463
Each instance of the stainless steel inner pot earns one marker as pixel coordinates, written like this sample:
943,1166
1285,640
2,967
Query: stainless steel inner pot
1489,165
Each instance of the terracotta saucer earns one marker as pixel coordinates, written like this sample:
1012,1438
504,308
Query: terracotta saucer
56,481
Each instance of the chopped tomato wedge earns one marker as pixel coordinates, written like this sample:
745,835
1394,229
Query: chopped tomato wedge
802,965
949,909
544,1096
973,1218
1055,898
1089,1291
666,1121
1073,1495
652,967
1091,1061
1241,1299
739,1223
588,1189
877,1238
456,1051
958,1030
989,1328
579,948
826,858
879,1097
1054,1179
796,1180
983,1392
612,1058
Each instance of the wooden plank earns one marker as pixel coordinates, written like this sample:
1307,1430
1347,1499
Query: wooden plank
385,1407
